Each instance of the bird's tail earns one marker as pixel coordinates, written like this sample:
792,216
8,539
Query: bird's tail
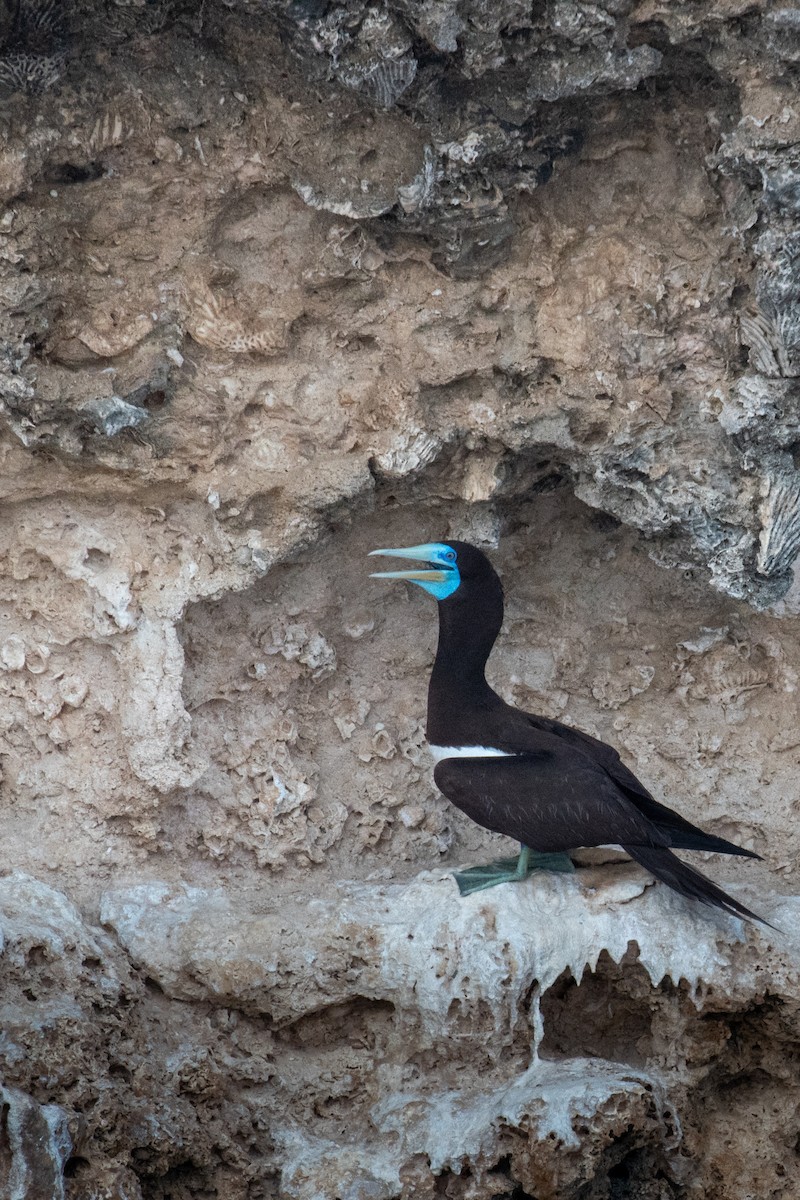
687,882
697,839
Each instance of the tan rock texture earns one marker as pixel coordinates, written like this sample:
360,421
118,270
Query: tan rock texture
282,283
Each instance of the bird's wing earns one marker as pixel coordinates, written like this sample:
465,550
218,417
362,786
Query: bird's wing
601,752
552,800
681,834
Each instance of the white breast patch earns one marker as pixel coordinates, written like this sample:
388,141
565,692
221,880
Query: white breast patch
440,752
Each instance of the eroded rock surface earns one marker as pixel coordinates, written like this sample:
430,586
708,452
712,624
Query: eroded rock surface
550,1036
283,283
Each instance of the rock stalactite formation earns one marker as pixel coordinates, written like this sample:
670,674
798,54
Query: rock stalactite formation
280,283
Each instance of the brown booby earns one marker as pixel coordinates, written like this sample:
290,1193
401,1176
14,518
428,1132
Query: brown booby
550,786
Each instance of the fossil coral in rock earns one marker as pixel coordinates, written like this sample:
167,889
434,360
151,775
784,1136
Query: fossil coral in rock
280,283
32,52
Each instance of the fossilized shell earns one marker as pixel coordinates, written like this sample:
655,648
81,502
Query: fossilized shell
779,540
357,207
36,658
108,130
12,653
33,73
766,344
73,690
384,82
108,337
214,323
408,451
418,194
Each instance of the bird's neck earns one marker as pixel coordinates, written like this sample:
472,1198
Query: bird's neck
467,633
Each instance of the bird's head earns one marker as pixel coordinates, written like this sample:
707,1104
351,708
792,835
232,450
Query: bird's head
449,565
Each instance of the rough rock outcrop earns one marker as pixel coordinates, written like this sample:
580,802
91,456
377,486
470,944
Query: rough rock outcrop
282,283
551,1036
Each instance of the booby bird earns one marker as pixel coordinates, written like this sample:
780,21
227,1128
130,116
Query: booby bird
551,787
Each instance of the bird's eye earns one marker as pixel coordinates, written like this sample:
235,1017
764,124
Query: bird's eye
451,556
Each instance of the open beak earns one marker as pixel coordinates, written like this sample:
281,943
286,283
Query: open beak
423,554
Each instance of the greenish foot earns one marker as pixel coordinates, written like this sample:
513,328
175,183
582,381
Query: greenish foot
510,870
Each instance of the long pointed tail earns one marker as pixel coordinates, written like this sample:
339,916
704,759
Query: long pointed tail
687,882
696,839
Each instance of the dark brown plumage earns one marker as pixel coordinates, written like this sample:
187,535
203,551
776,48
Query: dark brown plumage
550,786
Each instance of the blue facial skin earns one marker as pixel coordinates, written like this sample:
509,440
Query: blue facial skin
444,555
440,582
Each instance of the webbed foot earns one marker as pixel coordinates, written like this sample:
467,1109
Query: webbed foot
510,870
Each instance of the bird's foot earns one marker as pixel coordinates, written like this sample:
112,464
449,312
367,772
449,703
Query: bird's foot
510,870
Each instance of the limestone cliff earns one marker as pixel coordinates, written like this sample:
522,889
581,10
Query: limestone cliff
283,282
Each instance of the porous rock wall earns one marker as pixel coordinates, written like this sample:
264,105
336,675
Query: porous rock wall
282,283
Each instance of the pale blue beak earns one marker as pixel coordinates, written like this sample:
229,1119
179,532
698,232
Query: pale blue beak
441,579
431,552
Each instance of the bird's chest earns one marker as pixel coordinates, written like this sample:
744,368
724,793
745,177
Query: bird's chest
439,752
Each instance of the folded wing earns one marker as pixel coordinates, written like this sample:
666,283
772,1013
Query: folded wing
556,799
552,800
680,834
